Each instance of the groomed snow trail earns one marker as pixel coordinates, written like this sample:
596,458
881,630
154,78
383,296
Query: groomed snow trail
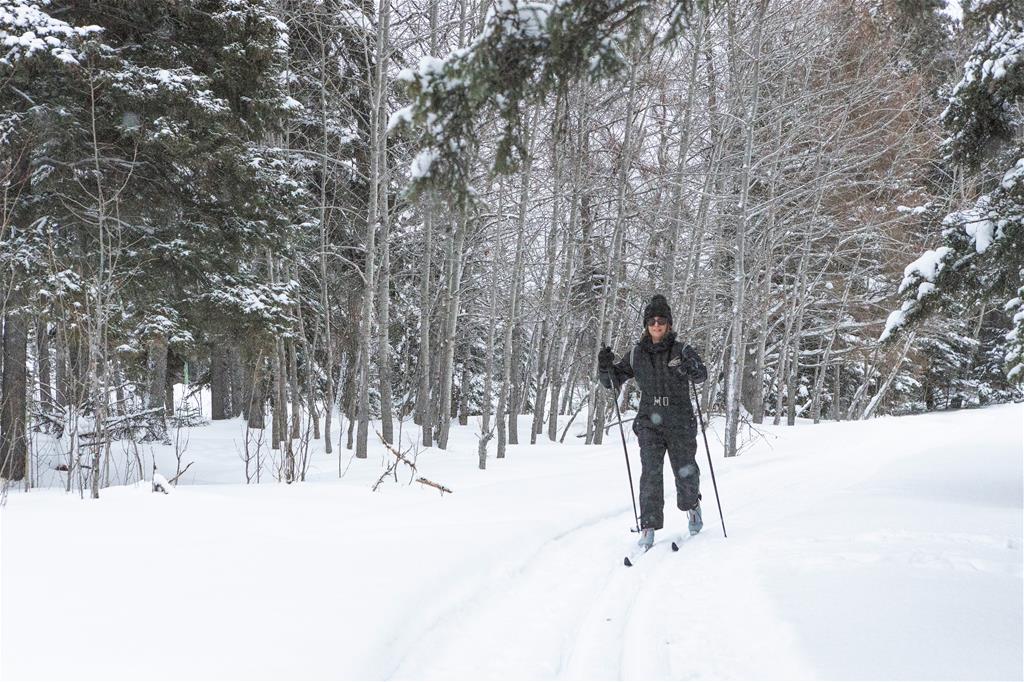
882,549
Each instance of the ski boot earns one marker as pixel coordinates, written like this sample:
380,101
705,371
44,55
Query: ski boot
646,538
695,521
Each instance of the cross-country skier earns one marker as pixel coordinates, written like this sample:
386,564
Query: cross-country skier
663,368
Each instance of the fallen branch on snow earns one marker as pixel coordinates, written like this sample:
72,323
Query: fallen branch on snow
400,458
440,487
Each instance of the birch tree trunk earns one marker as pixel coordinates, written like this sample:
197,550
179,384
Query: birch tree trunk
492,325
281,405
793,378
384,335
377,131
735,373
507,396
884,388
424,405
423,402
324,298
309,364
551,256
837,412
609,298
451,326
296,393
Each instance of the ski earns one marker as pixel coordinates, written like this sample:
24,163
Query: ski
677,543
631,558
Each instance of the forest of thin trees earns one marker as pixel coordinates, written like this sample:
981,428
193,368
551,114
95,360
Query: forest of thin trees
228,196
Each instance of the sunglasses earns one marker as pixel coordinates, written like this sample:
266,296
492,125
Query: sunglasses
657,322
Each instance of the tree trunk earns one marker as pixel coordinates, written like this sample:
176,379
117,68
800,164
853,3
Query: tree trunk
485,408
464,384
219,391
296,393
610,294
512,347
280,403
884,388
43,368
735,373
13,401
61,374
157,367
309,364
324,298
837,413
793,381
254,389
377,135
423,403
759,362
169,406
515,309
387,428
451,327
546,357
236,376
515,385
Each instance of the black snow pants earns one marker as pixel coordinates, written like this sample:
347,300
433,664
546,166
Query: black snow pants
682,450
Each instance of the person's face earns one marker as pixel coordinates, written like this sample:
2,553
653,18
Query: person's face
657,327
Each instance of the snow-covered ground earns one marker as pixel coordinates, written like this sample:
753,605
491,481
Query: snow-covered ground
883,549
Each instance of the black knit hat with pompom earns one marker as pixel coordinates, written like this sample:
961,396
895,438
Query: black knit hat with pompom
658,307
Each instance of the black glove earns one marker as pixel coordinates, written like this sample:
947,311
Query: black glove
690,360
605,359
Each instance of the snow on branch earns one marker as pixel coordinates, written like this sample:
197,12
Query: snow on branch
981,105
926,267
27,30
1014,359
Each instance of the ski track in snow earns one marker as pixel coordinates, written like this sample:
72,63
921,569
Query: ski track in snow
597,619
541,581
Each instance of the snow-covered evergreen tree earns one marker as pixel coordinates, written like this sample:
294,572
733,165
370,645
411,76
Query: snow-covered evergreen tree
981,256
156,179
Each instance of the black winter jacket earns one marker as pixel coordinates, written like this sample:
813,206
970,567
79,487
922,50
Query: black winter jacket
659,370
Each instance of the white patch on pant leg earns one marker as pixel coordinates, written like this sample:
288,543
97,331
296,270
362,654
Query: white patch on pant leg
655,418
687,470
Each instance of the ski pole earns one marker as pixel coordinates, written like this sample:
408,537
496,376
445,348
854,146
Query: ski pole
629,471
696,399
